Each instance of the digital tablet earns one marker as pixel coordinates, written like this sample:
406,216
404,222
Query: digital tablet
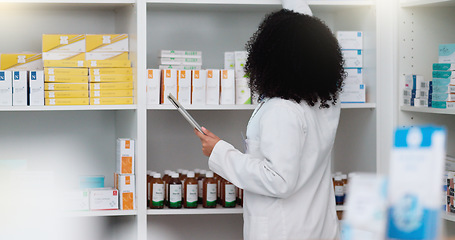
184,113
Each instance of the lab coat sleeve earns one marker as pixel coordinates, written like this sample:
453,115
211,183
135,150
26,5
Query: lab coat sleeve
300,6
282,135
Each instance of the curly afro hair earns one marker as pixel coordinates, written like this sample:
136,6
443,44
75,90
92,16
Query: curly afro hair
295,56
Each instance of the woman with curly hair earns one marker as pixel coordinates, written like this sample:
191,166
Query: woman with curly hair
296,67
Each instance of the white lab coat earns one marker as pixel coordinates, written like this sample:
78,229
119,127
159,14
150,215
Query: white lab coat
286,173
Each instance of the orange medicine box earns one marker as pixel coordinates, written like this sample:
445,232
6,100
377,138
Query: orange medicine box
125,156
127,195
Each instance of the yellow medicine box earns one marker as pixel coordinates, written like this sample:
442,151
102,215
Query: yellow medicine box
65,63
109,71
66,79
111,100
111,93
67,101
63,56
68,71
64,42
66,86
66,94
109,63
112,78
107,56
107,43
111,86
21,61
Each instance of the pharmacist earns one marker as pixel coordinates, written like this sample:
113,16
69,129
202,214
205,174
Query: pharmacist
295,65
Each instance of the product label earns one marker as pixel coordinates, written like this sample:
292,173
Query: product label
158,194
191,195
229,195
175,195
211,194
339,191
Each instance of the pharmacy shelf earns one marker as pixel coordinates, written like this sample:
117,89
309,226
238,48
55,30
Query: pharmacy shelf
250,107
428,3
72,1
340,208
66,108
448,216
196,211
265,2
358,105
104,213
427,110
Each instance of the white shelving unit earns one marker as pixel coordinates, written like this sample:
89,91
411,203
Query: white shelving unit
103,213
196,211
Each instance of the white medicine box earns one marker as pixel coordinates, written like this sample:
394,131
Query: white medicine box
6,88
199,87
227,95
213,87
36,85
352,58
103,199
184,86
20,91
168,84
153,86
353,93
350,39
353,76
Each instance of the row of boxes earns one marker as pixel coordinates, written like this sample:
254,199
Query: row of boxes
21,88
197,87
180,60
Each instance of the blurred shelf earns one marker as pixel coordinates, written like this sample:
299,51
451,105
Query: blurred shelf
265,2
102,213
196,211
247,107
358,105
66,108
428,3
427,110
448,216
72,1
340,208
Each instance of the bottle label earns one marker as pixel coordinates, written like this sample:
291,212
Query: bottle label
229,194
211,194
339,191
175,195
158,195
191,195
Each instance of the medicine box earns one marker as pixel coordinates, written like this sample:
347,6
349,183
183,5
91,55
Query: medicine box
229,60
111,78
75,200
422,103
66,79
36,88
178,53
184,86
168,85
350,39
352,58
443,89
107,43
443,82
109,63
63,42
66,101
443,97
153,86
213,87
127,193
66,71
414,93
91,181
439,104
125,156
413,81
104,199
198,94
66,94
111,86
106,56
450,105
227,95
353,76
111,100
21,61
444,74
65,63
180,61
65,86
20,88
354,93
443,66
239,63
6,88
242,91
64,56
447,53
110,71
111,93
180,67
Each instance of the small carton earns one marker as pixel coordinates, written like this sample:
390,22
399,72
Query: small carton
353,76
65,86
109,63
66,79
352,58
111,93
180,67
213,87
111,100
63,42
125,156
229,60
66,101
6,88
443,66
242,92
181,61
111,71
227,95
107,43
76,200
444,74
184,86
350,39
21,61
36,86
153,86
66,71
413,81
66,94
127,193
20,88
354,93
447,53
198,92
111,78
168,84
107,56
183,54
239,63
78,56
111,86
65,63
104,199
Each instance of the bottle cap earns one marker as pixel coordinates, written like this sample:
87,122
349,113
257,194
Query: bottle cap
185,172
179,170
157,175
344,176
167,172
203,171
175,175
209,174
197,170
149,172
190,174
338,178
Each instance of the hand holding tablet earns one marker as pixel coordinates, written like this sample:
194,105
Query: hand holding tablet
184,113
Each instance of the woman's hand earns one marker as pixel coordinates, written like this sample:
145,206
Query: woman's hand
208,141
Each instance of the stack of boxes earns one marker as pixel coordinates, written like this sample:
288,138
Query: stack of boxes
444,78
236,61
180,60
351,44
124,178
417,92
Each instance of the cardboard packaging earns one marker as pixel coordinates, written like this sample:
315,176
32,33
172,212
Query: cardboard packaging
127,193
20,88
182,54
107,56
66,94
443,66
229,60
36,86
66,79
111,93
239,64
111,71
107,43
111,78
350,39
184,86
111,100
242,92
6,88
76,200
446,53
213,87
413,81
108,63
227,95
104,199
354,93
65,63
168,84
444,74
66,101
180,61
198,92
352,58
65,86
63,42
153,86
125,156
75,56
180,67
66,71
21,61
111,86
354,76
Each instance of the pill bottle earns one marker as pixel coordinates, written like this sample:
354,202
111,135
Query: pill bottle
200,184
209,191
197,171
228,196
339,190
240,197
157,192
175,191
149,176
166,178
218,179
190,193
